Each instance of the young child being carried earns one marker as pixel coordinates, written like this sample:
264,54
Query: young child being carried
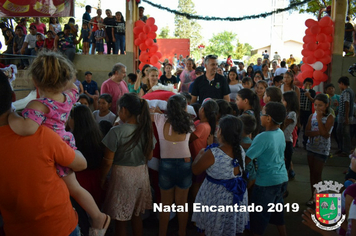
53,75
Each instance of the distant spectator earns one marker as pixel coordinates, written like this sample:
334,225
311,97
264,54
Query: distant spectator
118,32
73,26
115,85
265,55
250,71
23,25
91,89
85,35
9,36
277,81
282,70
54,25
277,57
187,76
290,60
29,45
241,72
258,66
229,61
168,78
94,23
274,68
65,42
109,24
349,37
86,16
99,38
131,80
140,14
39,42
41,27
18,40
49,41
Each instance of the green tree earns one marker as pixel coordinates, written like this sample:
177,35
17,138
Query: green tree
242,50
222,44
314,6
186,28
164,33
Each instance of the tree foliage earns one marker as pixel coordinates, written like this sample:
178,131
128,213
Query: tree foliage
314,6
226,43
164,33
185,28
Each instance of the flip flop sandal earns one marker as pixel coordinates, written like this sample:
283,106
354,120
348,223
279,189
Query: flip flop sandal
100,232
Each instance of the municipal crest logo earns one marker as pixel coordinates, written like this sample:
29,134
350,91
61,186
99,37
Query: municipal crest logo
217,85
328,214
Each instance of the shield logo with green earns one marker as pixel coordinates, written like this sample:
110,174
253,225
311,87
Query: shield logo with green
328,208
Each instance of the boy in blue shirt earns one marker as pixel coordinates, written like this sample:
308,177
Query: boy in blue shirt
272,178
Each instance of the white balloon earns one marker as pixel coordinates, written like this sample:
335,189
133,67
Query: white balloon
317,65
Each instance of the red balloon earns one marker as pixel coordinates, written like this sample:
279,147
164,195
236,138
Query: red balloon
325,21
137,30
315,29
158,54
150,21
325,67
149,42
327,30
154,59
143,56
311,59
326,59
309,39
319,53
310,22
138,41
142,36
158,65
325,78
324,46
140,23
321,37
327,52
308,74
306,67
308,32
153,48
151,35
312,47
318,75
316,83
146,29
154,28
330,39
143,47
306,52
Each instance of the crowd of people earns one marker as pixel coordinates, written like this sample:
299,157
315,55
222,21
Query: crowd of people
26,41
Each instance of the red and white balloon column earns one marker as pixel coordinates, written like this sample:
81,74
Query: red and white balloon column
144,34
317,49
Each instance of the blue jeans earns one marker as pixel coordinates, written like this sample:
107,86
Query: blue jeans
29,52
76,231
119,44
175,172
343,135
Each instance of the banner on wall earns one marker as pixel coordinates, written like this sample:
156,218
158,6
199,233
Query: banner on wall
39,8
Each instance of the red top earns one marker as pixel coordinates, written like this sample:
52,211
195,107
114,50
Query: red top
41,28
49,43
229,61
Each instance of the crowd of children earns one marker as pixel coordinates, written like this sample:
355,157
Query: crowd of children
229,153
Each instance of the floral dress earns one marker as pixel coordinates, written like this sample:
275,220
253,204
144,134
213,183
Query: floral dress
56,119
211,194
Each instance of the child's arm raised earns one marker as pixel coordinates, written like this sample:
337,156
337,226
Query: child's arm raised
26,126
202,162
324,129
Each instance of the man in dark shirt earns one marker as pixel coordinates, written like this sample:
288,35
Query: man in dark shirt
91,89
109,22
86,16
211,84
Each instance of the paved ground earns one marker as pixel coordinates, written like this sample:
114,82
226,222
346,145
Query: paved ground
299,192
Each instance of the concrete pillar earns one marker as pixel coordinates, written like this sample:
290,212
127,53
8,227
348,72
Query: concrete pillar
338,15
131,18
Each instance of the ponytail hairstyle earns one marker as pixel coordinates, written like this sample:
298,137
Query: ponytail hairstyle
87,135
211,109
254,102
138,107
325,99
274,93
231,131
177,116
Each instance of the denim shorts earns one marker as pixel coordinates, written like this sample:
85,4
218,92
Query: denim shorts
175,172
317,156
263,196
76,232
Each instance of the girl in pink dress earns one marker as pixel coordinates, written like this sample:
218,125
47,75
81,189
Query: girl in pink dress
53,75
187,77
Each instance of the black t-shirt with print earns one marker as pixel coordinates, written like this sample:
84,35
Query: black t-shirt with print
165,81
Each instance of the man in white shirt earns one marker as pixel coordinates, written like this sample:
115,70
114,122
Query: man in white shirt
282,70
29,45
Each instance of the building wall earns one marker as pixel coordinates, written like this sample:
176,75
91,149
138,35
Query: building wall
291,47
